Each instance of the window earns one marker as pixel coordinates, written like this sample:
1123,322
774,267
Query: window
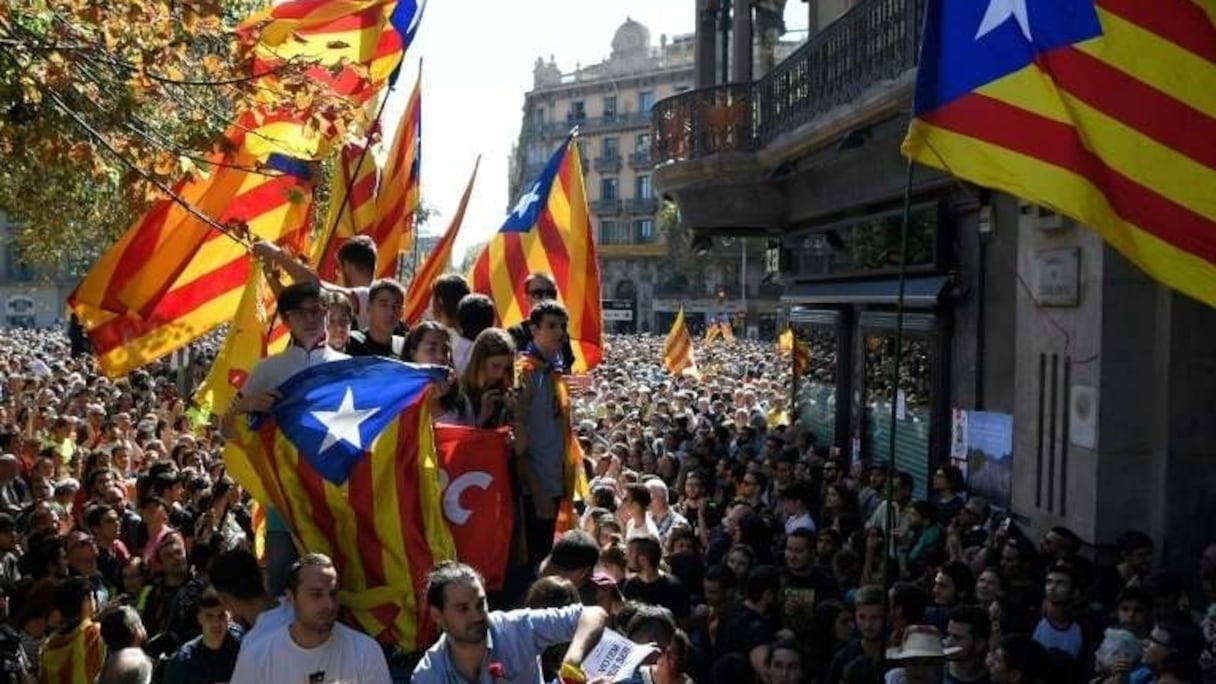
609,148
16,267
582,150
578,111
609,107
643,230
608,189
641,144
614,233
645,101
641,187
538,116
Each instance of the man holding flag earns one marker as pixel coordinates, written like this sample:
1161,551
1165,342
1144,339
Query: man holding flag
303,309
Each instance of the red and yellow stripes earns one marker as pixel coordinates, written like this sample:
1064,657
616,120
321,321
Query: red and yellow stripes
1118,132
398,196
351,46
73,657
250,339
383,527
677,348
139,305
561,245
418,297
352,206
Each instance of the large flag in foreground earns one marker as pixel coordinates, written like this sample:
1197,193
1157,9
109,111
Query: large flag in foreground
677,348
477,501
548,231
1102,110
172,277
418,297
347,457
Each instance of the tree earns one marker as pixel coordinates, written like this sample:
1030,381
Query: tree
104,105
682,269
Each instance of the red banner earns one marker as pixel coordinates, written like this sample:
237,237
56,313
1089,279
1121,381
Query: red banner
477,499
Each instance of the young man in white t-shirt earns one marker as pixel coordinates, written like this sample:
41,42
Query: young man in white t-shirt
313,647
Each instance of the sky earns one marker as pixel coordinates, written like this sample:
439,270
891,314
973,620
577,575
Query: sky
477,58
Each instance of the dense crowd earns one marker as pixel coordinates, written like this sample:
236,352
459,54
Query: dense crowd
716,528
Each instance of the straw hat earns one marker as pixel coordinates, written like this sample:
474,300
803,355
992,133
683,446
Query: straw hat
921,641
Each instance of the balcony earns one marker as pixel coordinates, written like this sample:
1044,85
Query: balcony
641,205
876,41
640,161
718,151
606,207
608,164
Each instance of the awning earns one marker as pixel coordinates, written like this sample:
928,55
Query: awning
922,291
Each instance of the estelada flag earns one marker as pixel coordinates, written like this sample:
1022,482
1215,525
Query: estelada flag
477,501
347,458
549,231
1102,110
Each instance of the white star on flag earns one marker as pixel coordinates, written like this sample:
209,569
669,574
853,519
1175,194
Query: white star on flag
1000,11
343,425
525,202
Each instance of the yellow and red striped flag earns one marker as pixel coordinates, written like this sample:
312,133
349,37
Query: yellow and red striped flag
352,206
548,231
347,457
352,47
398,196
418,297
250,339
785,342
712,332
73,657
172,278
1101,110
678,356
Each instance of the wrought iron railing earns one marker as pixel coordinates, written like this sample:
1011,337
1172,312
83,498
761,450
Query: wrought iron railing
639,161
641,205
875,41
604,207
608,164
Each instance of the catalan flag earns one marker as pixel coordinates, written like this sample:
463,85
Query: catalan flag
74,656
785,342
712,332
677,348
418,296
397,199
172,277
1101,110
250,338
352,205
348,458
548,231
352,46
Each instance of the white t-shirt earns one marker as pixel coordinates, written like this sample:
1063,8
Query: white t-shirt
269,621
360,306
348,657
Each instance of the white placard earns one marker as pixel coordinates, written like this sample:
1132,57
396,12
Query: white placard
615,657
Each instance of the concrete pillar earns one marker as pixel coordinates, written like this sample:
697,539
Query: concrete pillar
704,42
741,33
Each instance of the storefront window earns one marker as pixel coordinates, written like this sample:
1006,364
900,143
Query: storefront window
817,387
913,422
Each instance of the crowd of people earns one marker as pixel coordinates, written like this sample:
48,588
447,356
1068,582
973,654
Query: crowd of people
716,528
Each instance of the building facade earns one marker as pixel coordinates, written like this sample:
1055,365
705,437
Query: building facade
1104,375
610,104
30,297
